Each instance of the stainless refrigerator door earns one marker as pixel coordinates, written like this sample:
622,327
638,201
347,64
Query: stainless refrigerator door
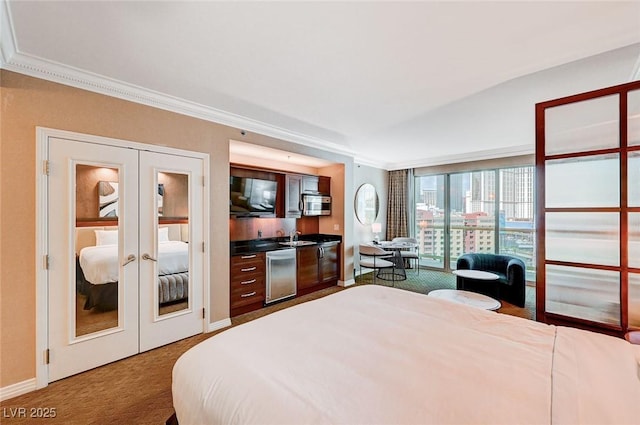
281,274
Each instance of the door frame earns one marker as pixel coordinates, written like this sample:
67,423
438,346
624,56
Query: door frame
42,196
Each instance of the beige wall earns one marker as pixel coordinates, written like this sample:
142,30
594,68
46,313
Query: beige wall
30,102
379,179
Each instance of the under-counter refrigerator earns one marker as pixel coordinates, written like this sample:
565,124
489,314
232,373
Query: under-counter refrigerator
281,274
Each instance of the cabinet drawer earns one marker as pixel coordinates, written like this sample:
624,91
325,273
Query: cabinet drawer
247,284
247,296
258,257
241,271
243,265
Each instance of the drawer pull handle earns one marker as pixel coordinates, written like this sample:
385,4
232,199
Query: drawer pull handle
246,282
248,269
250,294
245,257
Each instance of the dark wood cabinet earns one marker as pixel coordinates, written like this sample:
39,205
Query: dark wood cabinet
318,266
316,184
247,291
307,263
293,196
310,184
296,185
329,267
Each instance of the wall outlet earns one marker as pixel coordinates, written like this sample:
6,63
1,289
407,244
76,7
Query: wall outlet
336,227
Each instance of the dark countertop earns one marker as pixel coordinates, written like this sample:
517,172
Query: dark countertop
272,244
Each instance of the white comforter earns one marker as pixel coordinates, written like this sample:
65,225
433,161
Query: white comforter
100,263
372,354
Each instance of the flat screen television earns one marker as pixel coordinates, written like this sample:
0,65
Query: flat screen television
252,197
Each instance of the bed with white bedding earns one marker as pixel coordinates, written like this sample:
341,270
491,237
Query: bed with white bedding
100,263
98,270
373,354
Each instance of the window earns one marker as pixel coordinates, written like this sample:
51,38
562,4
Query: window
481,211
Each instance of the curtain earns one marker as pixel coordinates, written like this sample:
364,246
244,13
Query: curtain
397,223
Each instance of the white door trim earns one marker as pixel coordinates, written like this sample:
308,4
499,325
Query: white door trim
42,278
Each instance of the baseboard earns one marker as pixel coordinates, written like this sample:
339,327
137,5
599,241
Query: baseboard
220,324
346,283
14,390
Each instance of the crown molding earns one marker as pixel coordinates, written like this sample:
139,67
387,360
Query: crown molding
505,152
12,59
63,74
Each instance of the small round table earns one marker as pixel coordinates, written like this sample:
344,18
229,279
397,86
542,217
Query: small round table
472,299
476,274
469,281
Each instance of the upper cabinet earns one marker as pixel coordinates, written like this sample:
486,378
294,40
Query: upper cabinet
293,196
272,193
298,184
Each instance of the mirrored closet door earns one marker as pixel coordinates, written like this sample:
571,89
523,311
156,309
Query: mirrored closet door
125,236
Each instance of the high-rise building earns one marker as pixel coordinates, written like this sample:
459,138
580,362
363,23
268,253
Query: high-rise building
457,192
516,193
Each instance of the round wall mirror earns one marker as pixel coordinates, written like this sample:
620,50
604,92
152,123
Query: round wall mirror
367,204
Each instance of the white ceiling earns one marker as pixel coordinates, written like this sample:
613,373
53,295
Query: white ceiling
352,77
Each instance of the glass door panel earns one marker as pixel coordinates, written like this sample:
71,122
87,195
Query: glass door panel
634,300
633,118
582,126
587,181
633,172
173,242
430,223
96,248
583,237
634,239
589,294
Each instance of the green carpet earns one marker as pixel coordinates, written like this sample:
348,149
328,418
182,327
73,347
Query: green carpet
429,280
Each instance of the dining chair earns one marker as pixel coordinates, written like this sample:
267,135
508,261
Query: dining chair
412,252
376,258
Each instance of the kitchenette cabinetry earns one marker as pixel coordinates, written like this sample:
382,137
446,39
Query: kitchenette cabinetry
293,196
312,263
247,292
296,185
318,266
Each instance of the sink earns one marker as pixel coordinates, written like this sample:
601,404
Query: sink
259,245
298,243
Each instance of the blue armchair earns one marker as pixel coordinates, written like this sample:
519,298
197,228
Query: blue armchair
511,272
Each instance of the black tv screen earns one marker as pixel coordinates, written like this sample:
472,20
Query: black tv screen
252,197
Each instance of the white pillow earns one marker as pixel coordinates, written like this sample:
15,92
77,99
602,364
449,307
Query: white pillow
163,234
106,237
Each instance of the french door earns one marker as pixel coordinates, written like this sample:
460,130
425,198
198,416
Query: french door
125,257
588,165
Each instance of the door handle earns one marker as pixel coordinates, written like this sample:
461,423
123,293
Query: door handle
129,259
146,256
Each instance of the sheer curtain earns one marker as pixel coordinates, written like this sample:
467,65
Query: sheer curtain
397,217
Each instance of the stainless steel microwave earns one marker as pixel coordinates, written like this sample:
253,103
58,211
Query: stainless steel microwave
316,204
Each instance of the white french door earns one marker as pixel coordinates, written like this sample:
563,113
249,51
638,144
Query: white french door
107,208
161,325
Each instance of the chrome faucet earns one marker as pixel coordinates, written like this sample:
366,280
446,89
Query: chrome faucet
293,236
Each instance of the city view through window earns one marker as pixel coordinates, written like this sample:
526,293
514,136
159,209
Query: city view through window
488,211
